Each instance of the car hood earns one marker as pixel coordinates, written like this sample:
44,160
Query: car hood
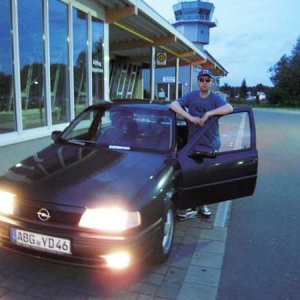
82,176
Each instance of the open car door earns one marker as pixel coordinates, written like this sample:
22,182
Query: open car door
230,173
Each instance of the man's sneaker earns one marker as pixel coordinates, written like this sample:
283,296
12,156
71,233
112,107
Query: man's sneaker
187,214
205,211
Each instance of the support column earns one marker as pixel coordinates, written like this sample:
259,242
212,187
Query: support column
90,62
16,67
106,62
176,78
71,115
48,98
152,73
191,78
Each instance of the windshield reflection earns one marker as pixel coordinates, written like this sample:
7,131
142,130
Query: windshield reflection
122,127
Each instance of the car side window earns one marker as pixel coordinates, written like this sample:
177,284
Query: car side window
235,133
81,129
181,132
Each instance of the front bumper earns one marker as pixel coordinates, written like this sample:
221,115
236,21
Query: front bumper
89,248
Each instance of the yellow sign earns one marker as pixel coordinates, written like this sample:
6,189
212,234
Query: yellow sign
161,58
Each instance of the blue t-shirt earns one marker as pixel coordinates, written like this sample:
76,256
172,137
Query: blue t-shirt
197,107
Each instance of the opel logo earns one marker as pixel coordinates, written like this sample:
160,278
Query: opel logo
43,214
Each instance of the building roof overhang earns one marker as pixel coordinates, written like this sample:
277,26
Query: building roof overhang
134,27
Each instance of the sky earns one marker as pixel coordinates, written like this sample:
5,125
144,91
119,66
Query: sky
251,36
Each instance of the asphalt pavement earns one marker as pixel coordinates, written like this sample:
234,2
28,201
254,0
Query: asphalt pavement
192,272
262,260
261,239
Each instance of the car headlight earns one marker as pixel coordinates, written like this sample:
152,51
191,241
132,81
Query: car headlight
110,219
6,203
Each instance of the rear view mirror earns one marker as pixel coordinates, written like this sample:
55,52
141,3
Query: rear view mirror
55,135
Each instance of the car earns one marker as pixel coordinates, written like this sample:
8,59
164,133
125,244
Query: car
106,191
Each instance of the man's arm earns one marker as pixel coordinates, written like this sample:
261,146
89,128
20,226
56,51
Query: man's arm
176,107
220,111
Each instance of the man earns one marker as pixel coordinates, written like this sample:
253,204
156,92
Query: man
197,107
122,129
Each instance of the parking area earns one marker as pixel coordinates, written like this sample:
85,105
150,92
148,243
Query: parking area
192,271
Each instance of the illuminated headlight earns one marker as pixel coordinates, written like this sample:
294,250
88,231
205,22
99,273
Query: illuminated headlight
6,203
110,219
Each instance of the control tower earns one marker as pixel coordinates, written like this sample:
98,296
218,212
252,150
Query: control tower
194,20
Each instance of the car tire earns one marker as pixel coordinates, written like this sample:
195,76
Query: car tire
165,241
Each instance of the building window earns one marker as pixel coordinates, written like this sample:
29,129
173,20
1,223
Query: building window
7,106
31,45
74,82
59,61
97,59
123,80
80,38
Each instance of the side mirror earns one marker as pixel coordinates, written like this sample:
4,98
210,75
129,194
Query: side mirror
56,135
201,151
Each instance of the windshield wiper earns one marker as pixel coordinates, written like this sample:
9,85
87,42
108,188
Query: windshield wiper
81,142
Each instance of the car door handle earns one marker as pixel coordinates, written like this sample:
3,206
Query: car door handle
248,162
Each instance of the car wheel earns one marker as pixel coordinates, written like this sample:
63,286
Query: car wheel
164,244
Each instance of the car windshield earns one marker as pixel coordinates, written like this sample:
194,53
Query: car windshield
122,127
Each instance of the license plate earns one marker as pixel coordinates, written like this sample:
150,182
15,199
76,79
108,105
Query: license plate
40,241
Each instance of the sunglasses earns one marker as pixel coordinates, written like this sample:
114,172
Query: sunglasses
204,80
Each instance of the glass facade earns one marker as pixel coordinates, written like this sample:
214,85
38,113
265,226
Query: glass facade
97,59
44,73
80,39
32,71
59,62
123,80
7,106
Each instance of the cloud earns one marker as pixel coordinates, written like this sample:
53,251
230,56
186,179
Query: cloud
251,36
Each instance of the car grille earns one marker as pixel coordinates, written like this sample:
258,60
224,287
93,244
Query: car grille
59,215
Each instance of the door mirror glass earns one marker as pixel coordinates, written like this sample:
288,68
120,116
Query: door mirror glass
56,135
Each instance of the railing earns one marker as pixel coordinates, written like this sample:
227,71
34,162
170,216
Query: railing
195,17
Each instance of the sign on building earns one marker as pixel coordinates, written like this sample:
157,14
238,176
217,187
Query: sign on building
169,79
161,58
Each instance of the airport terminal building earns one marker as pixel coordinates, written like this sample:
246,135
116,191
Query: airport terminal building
59,56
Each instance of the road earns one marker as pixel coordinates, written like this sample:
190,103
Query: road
262,246
262,256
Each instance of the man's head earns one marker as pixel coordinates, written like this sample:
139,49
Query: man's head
116,116
205,79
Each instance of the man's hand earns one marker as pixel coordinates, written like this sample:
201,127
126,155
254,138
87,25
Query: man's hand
203,119
198,121
222,110
194,120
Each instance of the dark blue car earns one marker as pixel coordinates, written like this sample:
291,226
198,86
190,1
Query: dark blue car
105,192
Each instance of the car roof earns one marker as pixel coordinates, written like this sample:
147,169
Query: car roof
134,103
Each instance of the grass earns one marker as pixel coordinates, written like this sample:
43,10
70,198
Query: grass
262,105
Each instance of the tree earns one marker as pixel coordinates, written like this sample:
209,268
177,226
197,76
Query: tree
280,71
227,89
294,87
285,75
243,90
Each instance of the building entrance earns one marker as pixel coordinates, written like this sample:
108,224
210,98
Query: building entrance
167,91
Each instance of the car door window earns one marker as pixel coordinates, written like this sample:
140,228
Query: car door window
234,135
234,132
